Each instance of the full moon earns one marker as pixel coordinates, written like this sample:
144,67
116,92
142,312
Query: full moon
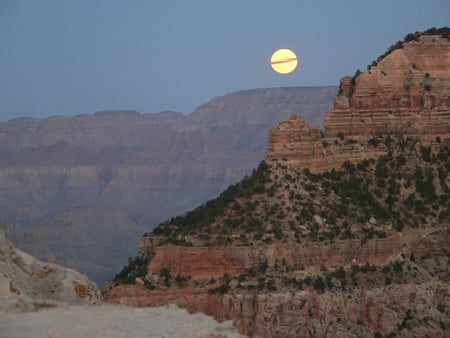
284,61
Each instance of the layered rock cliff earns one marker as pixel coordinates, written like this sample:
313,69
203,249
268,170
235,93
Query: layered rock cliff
407,92
297,143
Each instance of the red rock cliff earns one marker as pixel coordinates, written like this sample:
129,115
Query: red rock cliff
305,313
407,92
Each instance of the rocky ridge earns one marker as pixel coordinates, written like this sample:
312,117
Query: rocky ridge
407,93
345,235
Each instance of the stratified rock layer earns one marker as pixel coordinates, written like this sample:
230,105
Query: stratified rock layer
305,313
407,92
296,142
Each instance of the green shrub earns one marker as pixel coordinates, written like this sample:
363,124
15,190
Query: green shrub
319,284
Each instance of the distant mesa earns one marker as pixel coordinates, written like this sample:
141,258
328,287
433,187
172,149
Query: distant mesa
116,112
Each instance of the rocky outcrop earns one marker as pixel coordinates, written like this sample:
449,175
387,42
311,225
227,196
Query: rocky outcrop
213,262
296,142
29,284
407,93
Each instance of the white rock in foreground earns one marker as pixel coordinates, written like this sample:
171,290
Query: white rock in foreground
27,284
113,321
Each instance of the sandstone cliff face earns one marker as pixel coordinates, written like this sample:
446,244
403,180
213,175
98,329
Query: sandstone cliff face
299,144
213,262
407,92
307,313
28,284
297,141
359,310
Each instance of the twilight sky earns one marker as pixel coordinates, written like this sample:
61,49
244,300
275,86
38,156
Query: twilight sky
68,57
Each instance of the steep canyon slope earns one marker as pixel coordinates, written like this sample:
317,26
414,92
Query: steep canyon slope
344,235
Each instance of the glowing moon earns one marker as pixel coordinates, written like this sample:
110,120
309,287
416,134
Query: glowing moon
284,61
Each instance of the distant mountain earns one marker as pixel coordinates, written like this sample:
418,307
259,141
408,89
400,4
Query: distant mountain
152,166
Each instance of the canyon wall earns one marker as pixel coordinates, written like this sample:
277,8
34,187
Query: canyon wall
100,179
306,313
406,94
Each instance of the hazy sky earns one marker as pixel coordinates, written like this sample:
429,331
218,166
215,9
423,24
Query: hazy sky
79,56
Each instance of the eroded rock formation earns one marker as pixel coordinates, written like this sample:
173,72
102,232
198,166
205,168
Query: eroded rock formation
303,313
406,94
307,313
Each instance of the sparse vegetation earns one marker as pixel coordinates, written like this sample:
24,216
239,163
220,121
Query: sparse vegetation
136,268
271,204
